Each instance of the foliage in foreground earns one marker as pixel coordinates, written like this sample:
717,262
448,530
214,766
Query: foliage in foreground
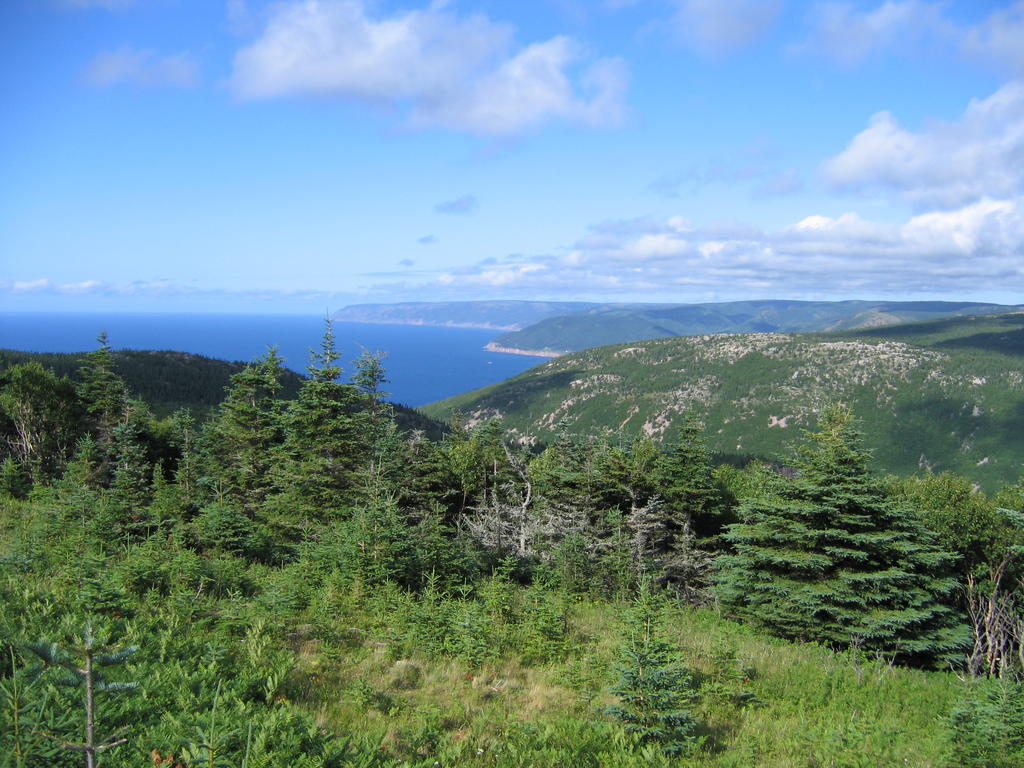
299,583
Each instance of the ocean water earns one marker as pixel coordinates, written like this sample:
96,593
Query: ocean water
423,363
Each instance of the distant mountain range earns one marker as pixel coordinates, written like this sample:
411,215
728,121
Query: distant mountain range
613,324
553,328
499,315
946,394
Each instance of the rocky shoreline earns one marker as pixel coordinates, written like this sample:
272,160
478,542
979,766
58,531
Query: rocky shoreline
492,347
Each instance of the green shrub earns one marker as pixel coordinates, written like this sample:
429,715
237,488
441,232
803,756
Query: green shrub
654,689
988,725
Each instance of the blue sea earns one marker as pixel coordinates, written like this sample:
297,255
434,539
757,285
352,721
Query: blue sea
423,363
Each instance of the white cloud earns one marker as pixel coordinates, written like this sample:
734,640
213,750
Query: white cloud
155,290
949,164
45,285
460,206
442,69
30,286
992,226
717,27
145,68
842,32
970,251
999,39
849,35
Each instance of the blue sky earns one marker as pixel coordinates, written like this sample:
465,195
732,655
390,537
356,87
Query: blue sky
301,155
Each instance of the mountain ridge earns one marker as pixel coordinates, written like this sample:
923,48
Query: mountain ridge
947,403
611,325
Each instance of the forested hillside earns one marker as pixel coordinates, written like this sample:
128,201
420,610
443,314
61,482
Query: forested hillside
298,582
942,395
167,381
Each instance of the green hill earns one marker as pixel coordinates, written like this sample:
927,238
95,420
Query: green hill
165,379
614,324
952,399
169,380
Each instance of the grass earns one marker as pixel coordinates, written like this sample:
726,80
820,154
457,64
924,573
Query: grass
764,702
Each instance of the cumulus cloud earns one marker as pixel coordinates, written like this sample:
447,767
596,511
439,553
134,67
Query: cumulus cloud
950,163
717,27
426,240
144,68
438,68
971,250
460,206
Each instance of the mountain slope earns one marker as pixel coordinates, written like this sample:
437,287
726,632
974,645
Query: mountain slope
952,405
611,325
169,380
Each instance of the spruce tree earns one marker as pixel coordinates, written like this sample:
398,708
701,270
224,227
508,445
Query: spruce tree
654,689
685,479
242,442
692,510
186,474
104,394
325,443
14,481
132,472
831,559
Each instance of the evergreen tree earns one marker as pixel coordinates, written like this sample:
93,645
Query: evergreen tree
242,442
475,458
572,479
692,511
988,725
686,481
104,395
131,472
186,474
654,689
368,378
832,559
325,443
14,482
427,482
84,665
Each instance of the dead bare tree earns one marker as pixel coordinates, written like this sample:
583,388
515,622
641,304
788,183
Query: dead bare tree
997,626
504,521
